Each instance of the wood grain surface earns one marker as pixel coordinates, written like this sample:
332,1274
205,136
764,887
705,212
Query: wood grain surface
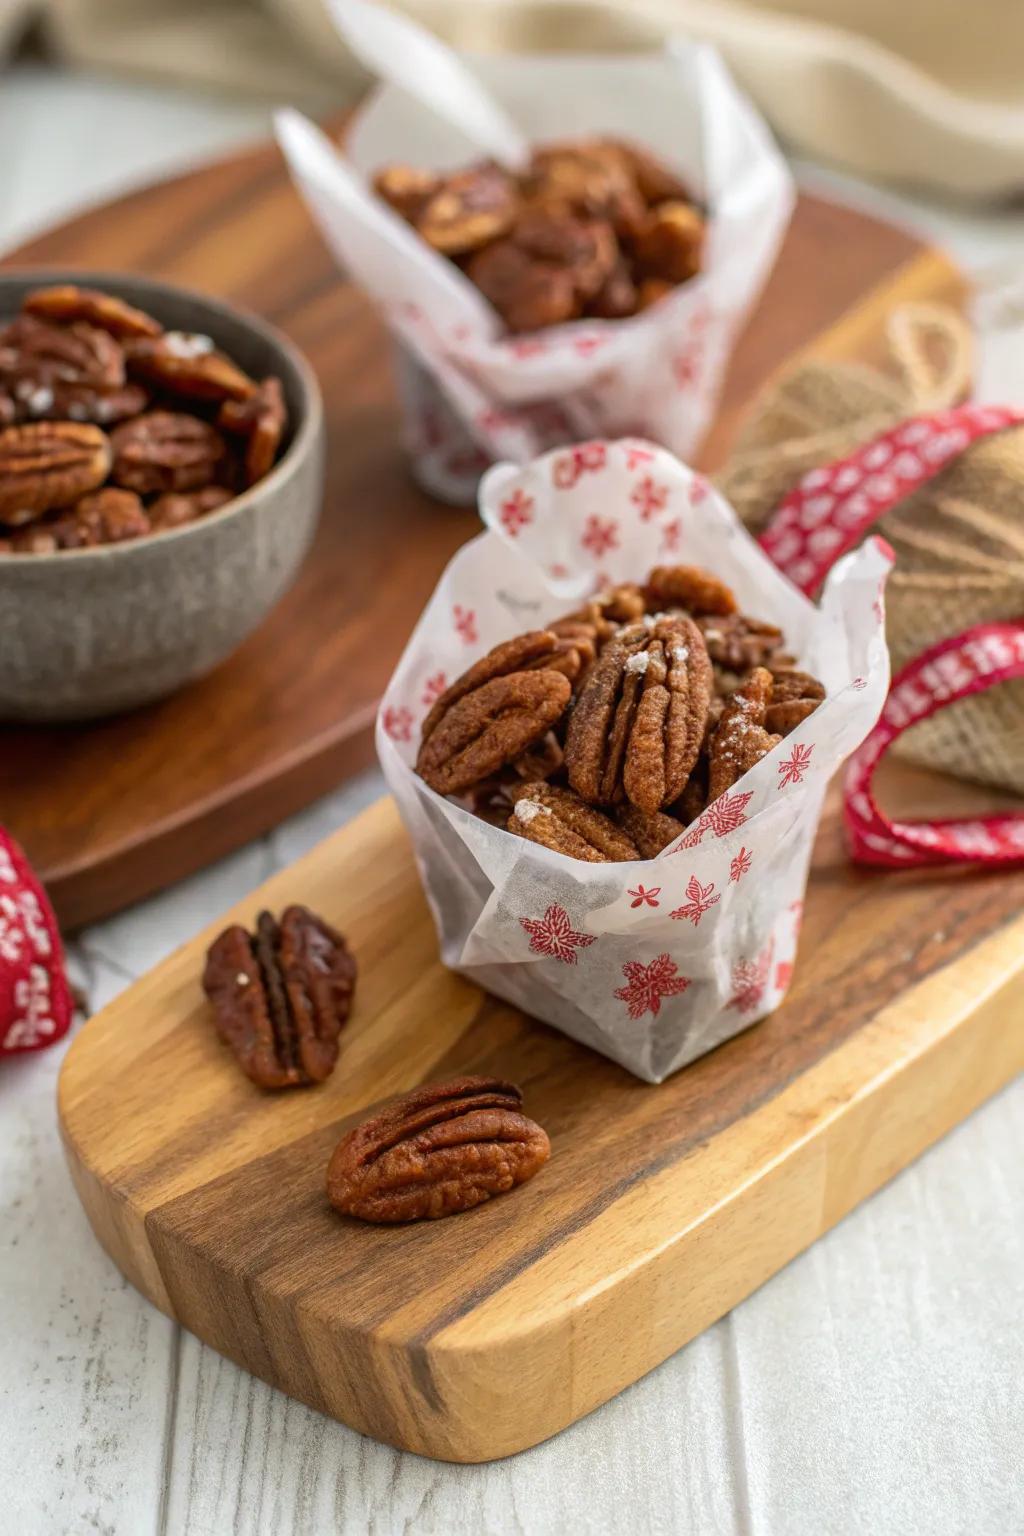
661,1208
111,812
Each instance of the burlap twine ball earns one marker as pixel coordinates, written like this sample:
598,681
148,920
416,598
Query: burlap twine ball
958,540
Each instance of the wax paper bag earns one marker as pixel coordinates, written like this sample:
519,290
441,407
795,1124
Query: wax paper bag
652,962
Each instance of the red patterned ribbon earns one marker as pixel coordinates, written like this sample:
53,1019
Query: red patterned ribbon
35,1000
827,513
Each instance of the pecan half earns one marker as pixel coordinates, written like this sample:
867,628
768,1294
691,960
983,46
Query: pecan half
617,296
741,740
187,364
536,648
261,420
165,451
591,176
528,294
281,995
651,831
47,464
604,614
468,210
795,695
65,302
436,1152
406,188
107,516
34,354
559,819
651,290
689,587
639,720
585,248
654,181
175,508
670,243
489,727
737,642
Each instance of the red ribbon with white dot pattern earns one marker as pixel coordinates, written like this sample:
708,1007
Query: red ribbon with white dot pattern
827,513
35,1000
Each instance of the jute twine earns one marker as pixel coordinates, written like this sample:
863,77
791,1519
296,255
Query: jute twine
958,539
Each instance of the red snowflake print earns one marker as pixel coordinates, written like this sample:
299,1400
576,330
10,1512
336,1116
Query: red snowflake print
859,683
433,688
586,346
397,723
642,897
671,536
516,512
584,458
740,864
686,368
464,620
410,311
493,420
558,571
750,980
646,985
699,901
699,490
600,535
637,455
783,975
722,816
554,935
462,332
648,497
431,429
527,346
793,768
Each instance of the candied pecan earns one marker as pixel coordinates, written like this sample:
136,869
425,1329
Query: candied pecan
604,614
468,210
175,508
527,294
585,248
188,364
516,655
654,181
87,402
46,464
437,1151
737,642
795,695
165,451
8,409
689,587
281,995
406,188
740,740
670,242
617,296
638,723
592,176
108,516
34,356
541,761
651,290
66,302
651,831
694,797
490,726
558,819
261,420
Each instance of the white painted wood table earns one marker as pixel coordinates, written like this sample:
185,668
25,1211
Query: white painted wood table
875,1386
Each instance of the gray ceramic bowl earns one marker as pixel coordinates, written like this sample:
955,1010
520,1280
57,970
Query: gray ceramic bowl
88,632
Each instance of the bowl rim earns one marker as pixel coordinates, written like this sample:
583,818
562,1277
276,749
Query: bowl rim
305,435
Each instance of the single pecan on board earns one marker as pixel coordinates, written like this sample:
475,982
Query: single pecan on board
436,1152
740,739
166,451
188,364
795,695
638,723
261,420
558,819
66,303
47,464
281,995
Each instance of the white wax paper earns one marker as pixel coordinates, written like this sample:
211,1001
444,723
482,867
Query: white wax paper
471,394
653,962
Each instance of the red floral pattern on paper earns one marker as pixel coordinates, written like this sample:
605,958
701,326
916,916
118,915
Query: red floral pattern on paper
586,346
700,490
516,512
433,688
672,536
642,897
686,366
750,980
783,975
600,535
649,497
647,985
585,458
526,346
464,620
858,684
554,935
397,723
699,900
722,816
793,768
740,864
637,454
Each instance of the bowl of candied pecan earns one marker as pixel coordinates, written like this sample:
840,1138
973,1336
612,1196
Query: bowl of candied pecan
161,469
610,738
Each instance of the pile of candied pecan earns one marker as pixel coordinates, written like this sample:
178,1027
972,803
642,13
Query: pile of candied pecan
605,735
112,427
596,227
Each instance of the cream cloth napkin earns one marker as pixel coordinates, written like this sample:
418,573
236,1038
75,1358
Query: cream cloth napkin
924,91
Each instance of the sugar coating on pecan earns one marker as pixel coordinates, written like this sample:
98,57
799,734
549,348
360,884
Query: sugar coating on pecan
65,302
36,354
281,995
187,363
489,726
558,819
639,720
48,464
436,1152
741,740
689,587
651,831
166,451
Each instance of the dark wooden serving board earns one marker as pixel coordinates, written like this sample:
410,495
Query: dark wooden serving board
111,812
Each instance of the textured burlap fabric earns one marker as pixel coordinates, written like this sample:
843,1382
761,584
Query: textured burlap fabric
959,540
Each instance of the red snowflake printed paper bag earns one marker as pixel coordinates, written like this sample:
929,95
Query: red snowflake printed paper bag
35,1002
472,394
653,963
